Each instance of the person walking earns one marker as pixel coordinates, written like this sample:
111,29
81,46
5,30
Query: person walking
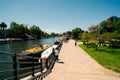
56,55
75,43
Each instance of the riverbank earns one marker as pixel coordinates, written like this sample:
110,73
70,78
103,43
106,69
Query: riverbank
76,64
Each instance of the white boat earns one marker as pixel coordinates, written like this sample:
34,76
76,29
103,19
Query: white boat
4,41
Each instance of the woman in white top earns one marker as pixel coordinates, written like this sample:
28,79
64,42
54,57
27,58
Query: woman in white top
56,54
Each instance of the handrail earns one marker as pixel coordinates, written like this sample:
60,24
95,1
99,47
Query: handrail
21,72
19,66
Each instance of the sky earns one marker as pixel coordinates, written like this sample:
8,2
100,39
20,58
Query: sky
58,15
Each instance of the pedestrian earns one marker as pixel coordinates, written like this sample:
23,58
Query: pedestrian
56,55
75,43
53,52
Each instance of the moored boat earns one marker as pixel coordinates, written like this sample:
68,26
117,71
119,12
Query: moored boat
41,51
35,51
2,41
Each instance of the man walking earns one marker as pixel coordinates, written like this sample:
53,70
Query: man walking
56,55
75,43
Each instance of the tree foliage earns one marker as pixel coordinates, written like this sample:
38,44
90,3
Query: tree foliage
3,26
103,26
20,30
76,31
117,26
106,31
36,31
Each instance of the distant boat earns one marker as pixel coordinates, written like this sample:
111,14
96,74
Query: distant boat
2,41
15,39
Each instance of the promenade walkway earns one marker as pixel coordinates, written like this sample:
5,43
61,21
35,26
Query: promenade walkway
76,64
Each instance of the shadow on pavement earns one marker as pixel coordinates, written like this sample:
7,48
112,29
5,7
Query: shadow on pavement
61,62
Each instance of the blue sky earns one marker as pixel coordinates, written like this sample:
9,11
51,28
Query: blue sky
58,15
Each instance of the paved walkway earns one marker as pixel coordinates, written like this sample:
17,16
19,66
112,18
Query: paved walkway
76,64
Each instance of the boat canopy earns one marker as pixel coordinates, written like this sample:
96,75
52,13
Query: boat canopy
47,52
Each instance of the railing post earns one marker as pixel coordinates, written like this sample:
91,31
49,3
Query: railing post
47,63
33,69
15,66
41,67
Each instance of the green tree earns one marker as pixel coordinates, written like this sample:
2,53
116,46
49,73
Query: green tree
80,36
18,30
69,33
115,35
45,34
35,31
76,31
103,26
53,34
85,37
117,26
3,26
1,36
106,36
14,30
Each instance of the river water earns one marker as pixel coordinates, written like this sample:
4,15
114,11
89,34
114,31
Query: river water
18,46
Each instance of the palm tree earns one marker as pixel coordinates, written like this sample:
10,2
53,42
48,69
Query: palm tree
3,26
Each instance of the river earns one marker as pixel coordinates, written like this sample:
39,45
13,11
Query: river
18,46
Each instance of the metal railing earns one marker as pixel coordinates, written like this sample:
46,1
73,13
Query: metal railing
15,67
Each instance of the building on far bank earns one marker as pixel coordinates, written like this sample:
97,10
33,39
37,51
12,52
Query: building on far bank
112,19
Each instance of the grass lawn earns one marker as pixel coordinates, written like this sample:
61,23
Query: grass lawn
108,57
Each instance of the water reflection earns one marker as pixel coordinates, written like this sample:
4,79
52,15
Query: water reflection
18,46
